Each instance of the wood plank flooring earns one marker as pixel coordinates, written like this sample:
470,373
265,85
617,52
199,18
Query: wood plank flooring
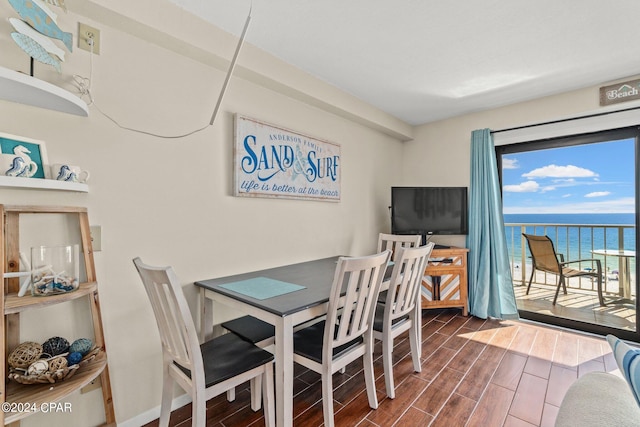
474,373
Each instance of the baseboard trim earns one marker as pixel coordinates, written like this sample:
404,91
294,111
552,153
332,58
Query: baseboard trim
154,413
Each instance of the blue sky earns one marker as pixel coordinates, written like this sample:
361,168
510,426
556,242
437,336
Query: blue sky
590,178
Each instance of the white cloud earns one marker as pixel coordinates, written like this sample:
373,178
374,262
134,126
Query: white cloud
523,187
623,205
555,171
598,194
566,195
510,163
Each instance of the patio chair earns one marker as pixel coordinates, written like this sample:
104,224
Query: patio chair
545,258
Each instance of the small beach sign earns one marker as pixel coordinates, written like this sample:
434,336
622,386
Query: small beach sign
620,92
271,161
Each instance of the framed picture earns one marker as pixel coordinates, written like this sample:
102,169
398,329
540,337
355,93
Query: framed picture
25,157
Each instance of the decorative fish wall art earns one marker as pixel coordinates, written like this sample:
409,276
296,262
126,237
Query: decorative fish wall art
48,44
59,3
40,17
46,10
35,50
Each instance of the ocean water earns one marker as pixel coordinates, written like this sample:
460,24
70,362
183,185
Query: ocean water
575,235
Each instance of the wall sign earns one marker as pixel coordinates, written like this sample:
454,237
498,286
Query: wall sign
274,162
620,92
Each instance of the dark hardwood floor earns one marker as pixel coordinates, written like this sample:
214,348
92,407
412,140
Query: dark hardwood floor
474,373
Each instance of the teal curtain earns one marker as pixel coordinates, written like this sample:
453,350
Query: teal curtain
490,282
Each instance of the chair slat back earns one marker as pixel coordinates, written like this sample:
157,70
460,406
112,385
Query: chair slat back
394,241
177,331
543,253
360,278
406,280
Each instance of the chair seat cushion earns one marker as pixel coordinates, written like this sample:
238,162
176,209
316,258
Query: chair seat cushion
226,356
379,319
250,328
307,342
382,296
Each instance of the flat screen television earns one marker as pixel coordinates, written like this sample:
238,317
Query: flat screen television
429,210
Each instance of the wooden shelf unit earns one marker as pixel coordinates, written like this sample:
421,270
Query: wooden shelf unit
13,306
445,279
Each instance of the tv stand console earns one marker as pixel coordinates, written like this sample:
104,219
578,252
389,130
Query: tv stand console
445,279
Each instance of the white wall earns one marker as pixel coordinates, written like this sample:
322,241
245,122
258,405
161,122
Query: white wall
169,201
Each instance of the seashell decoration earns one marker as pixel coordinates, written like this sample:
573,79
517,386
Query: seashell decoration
49,282
51,362
38,367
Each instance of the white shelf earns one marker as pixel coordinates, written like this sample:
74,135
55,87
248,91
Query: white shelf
42,184
22,88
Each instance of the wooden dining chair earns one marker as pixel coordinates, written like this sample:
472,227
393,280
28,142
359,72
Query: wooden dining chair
346,334
394,241
202,370
402,309
545,258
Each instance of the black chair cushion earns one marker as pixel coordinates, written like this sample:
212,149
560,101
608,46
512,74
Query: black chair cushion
307,342
382,296
250,328
226,356
379,319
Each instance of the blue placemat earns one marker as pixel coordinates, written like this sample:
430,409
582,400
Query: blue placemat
262,287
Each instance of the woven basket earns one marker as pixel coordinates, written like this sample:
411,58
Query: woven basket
21,376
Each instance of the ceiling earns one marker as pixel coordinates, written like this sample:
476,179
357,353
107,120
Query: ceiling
426,60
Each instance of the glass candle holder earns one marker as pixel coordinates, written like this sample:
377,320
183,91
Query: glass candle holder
55,269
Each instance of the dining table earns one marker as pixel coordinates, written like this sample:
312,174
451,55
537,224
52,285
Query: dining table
285,297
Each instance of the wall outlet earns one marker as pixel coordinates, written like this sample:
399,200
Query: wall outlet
88,35
96,237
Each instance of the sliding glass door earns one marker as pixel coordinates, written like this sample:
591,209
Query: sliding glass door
581,191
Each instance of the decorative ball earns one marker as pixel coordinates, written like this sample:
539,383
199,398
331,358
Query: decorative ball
55,346
57,363
38,367
81,345
74,358
24,355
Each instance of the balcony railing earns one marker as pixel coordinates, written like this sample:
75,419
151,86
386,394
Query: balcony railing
575,242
